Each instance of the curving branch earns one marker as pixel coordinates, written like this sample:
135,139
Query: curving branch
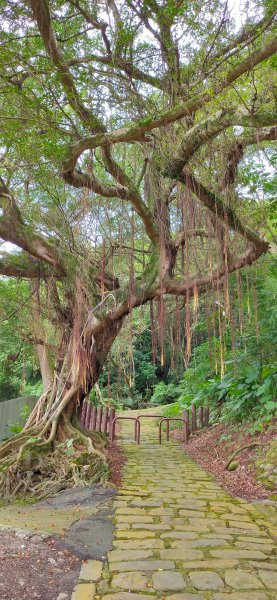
19,265
183,236
247,36
118,62
209,128
83,180
140,130
223,212
43,17
13,229
246,259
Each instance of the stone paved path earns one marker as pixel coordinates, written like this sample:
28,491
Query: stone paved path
179,536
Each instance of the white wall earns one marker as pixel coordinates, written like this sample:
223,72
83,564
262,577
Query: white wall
10,412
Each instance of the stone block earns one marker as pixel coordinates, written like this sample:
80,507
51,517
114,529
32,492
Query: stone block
133,580
84,591
91,570
119,533
238,554
118,555
206,580
220,565
241,596
269,578
138,544
242,580
185,596
168,580
128,596
181,554
179,535
141,565
201,543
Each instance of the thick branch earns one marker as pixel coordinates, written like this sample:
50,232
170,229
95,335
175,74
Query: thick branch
14,230
43,18
133,194
19,265
210,127
122,64
246,259
139,130
183,236
225,213
124,190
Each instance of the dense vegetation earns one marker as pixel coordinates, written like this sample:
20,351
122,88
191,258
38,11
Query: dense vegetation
137,152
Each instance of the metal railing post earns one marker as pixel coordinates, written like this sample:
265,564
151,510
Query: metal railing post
168,419
112,417
136,430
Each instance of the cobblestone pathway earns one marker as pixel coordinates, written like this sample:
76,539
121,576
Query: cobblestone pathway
179,536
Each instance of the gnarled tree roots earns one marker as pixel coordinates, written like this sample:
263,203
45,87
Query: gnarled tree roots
38,463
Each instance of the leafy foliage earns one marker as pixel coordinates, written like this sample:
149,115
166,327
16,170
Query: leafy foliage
165,394
248,391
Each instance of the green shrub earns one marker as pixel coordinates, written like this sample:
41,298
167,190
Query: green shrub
165,394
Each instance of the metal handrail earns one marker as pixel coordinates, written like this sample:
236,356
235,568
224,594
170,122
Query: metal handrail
137,427
167,419
156,416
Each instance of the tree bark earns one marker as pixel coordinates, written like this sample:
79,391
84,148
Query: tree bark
42,348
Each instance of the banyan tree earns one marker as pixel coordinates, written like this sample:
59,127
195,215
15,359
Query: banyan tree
124,124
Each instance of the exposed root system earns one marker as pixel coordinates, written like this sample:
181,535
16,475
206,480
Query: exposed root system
38,471
50,455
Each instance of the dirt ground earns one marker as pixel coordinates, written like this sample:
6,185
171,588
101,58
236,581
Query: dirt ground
33,568
45,566
211,449
116,460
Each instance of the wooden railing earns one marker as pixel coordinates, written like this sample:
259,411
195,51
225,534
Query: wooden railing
195,421
97,418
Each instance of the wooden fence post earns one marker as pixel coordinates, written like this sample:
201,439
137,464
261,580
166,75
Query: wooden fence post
193,418
93,418
201,417
88,413
206,416
99,418
186,432
105,420
186,426
186,417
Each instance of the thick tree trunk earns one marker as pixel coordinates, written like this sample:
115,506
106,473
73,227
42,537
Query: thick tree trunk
54,450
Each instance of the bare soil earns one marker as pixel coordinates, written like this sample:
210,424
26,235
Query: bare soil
211,448
116,461
33,568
